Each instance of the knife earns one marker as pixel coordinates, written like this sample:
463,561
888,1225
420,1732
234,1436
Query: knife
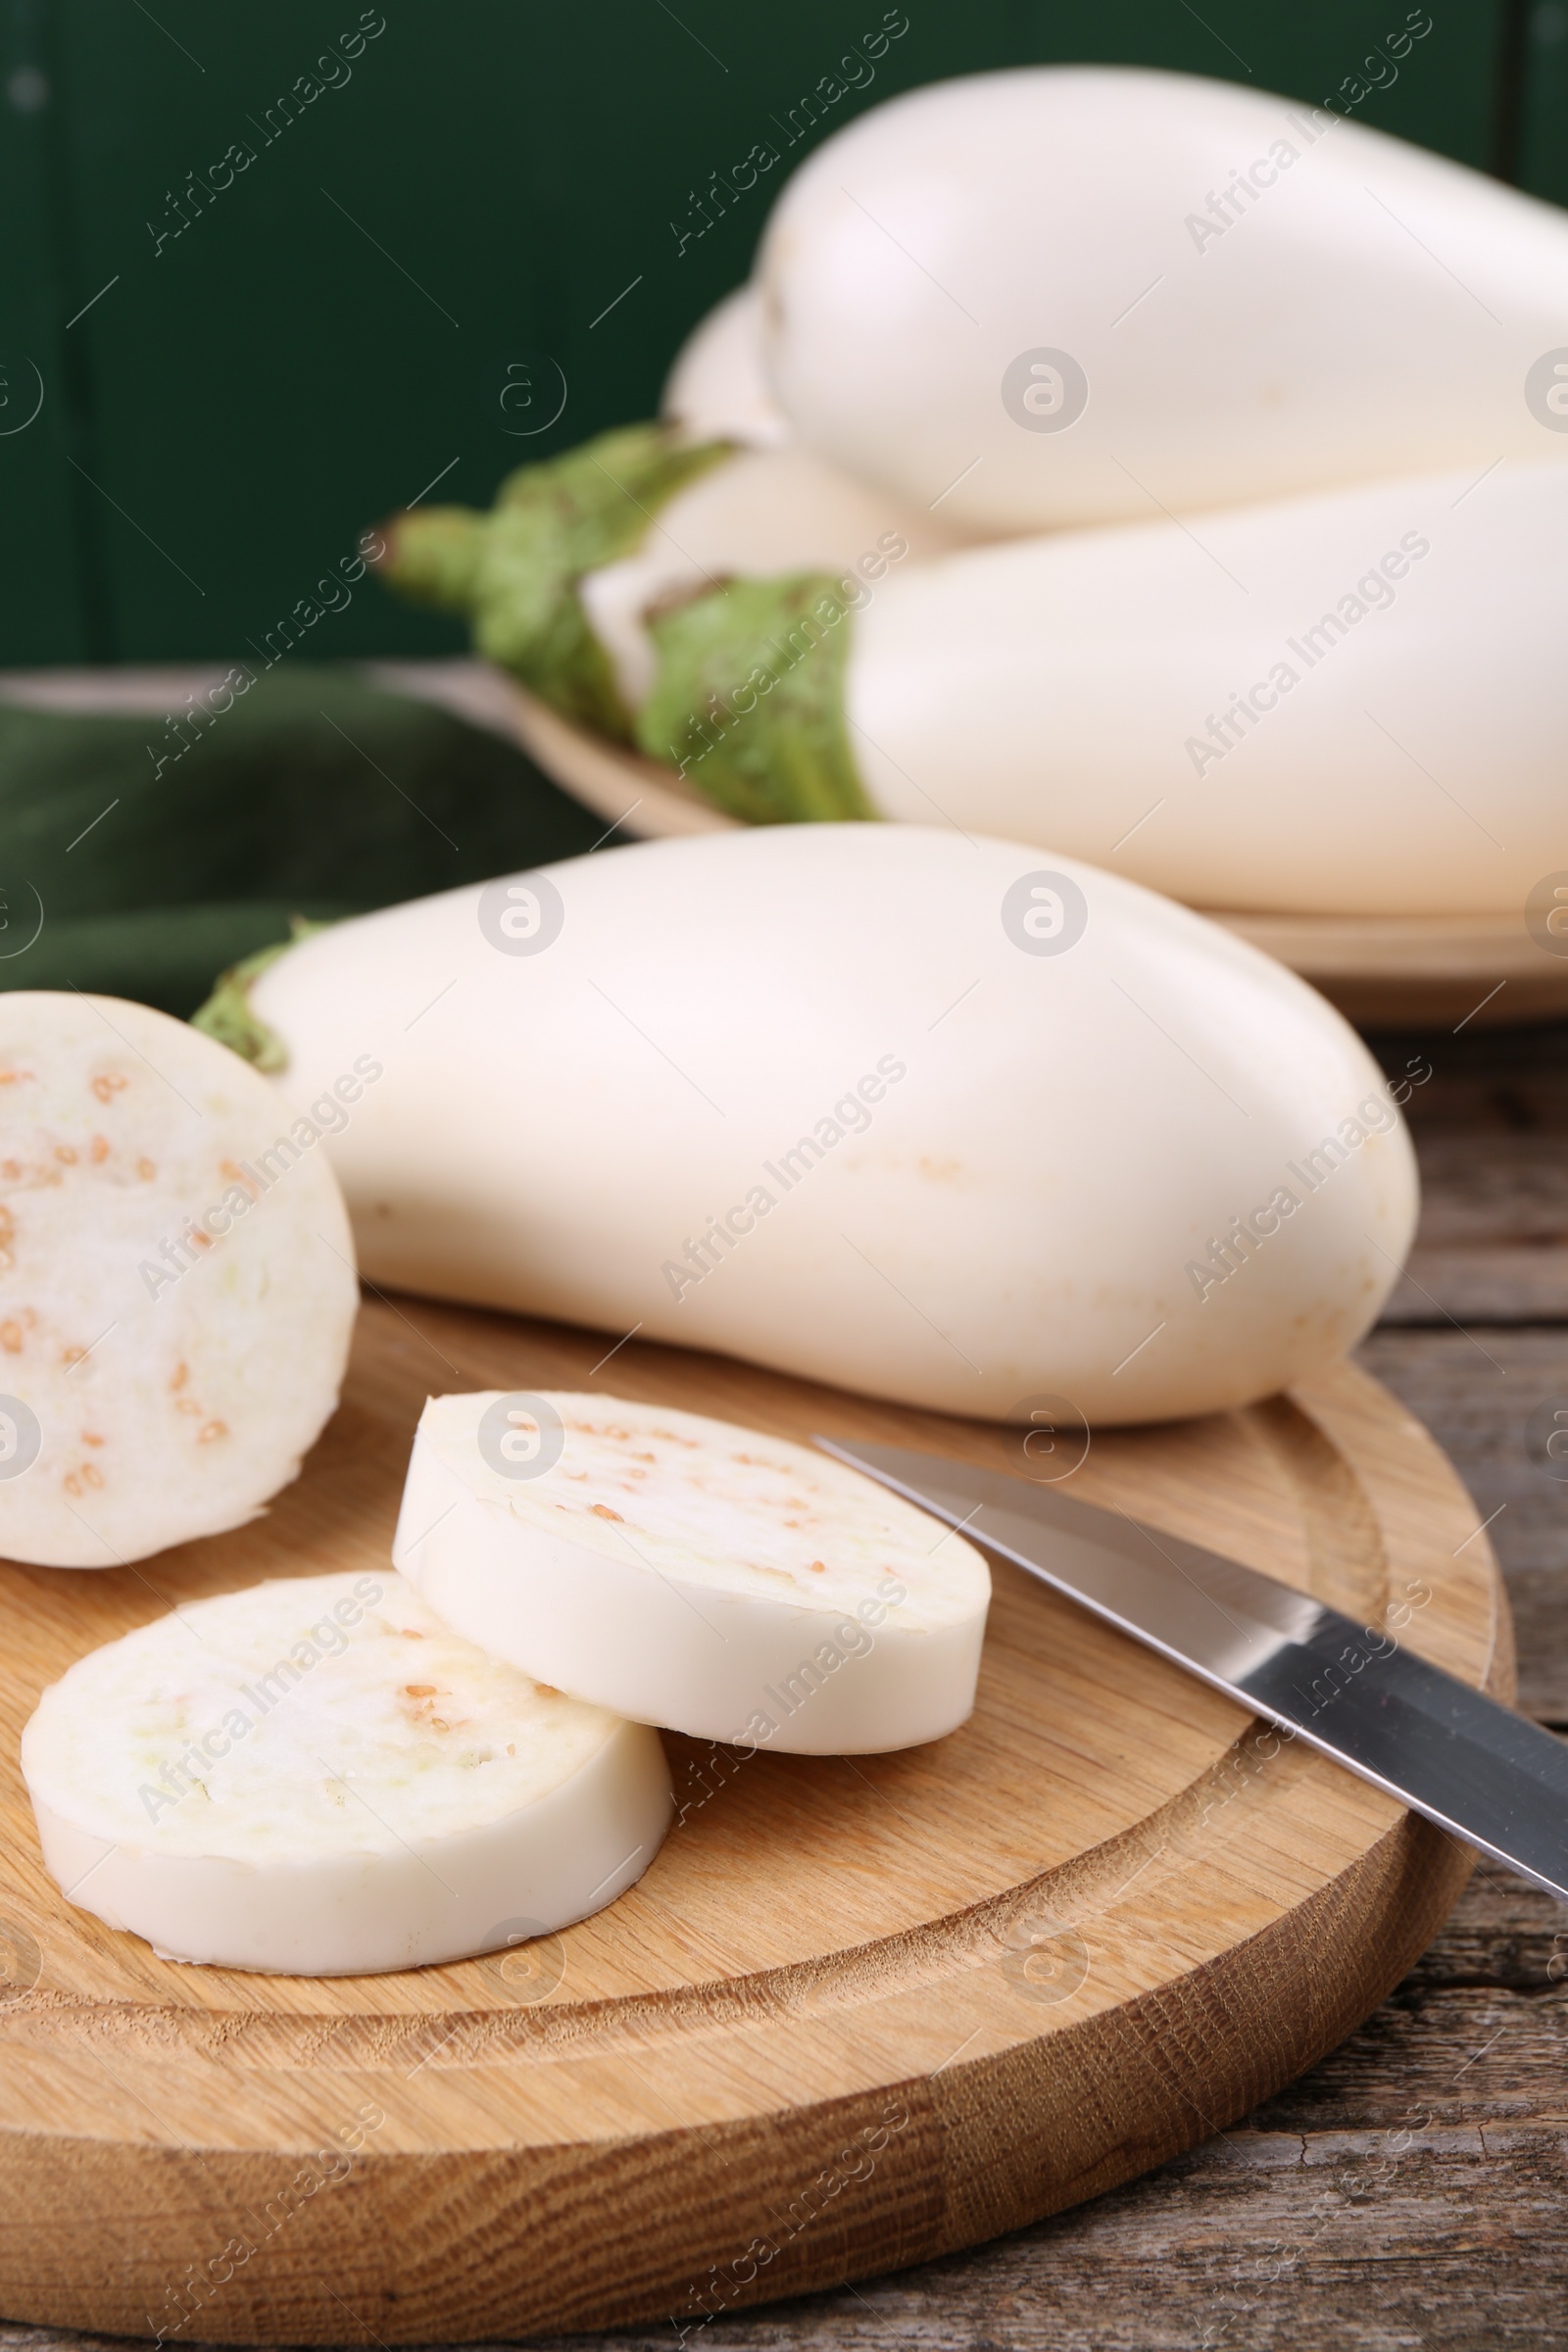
1487,1776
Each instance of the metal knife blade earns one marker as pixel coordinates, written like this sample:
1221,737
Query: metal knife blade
1488,1777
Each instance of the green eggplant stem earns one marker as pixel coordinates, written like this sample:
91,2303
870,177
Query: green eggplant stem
748,701
228,1015
516,571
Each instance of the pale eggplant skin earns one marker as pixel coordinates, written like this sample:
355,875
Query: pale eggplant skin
1036,1151
1353,703
717,389
1355,307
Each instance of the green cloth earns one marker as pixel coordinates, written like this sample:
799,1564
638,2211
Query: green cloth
315,794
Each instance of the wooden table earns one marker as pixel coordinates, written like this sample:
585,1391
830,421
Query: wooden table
1413,2190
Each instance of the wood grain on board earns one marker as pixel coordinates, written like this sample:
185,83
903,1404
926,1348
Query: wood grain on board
857,2013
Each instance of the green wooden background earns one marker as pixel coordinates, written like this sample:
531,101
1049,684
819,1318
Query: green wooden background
332,331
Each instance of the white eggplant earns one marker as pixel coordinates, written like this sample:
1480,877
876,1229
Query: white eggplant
717,390
1078,294
176,1279
944,1120
1353,703
690,1573
317,1775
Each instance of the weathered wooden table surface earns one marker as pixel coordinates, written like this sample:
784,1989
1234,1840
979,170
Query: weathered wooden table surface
1412,2190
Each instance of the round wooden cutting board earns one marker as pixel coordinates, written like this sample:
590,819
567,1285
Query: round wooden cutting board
856,2014
1384,971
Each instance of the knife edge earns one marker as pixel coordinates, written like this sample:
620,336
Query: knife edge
1476,1770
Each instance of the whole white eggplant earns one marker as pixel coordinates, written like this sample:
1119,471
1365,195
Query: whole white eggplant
1350,702
948,1121
1076,294
715,389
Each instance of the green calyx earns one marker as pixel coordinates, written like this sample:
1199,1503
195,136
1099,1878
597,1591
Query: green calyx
515,570
748,706
227,1015
432,555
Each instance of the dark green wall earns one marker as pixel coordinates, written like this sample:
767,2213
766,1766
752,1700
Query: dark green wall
333,329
